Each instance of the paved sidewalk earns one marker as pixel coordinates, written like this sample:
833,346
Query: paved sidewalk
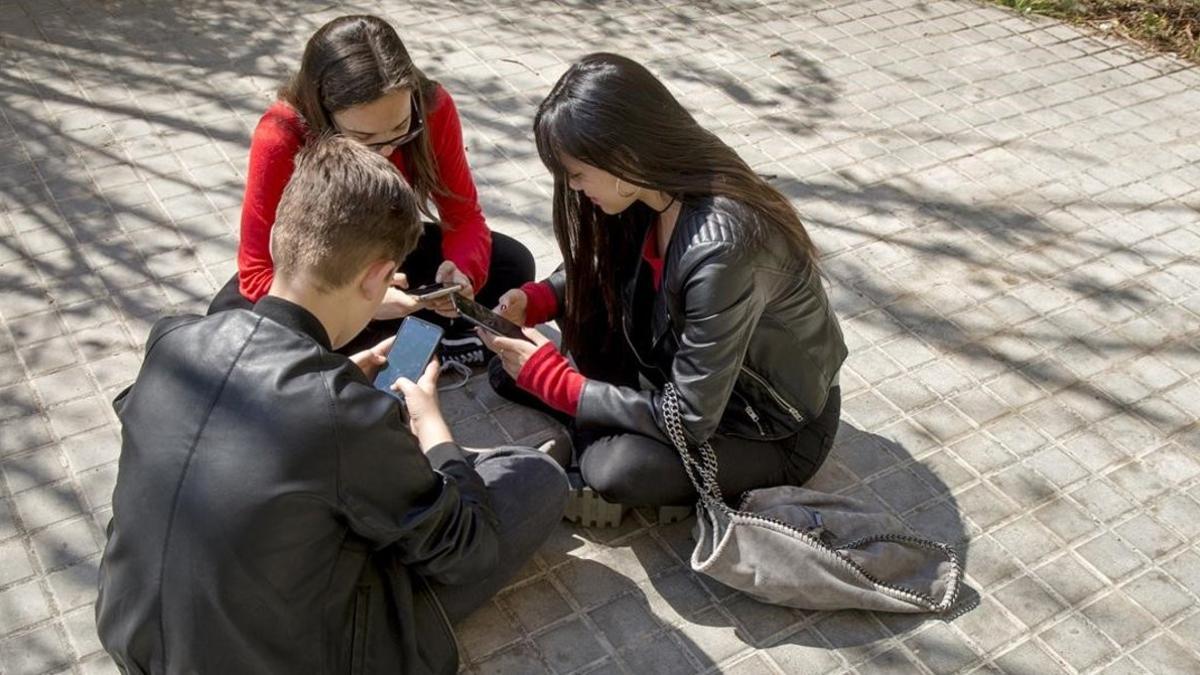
1010,215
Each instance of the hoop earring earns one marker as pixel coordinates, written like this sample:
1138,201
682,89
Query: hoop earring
631,194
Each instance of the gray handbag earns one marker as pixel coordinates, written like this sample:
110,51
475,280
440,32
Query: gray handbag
802,548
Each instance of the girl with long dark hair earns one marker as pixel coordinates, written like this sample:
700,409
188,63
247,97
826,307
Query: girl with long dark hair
356,79
681,265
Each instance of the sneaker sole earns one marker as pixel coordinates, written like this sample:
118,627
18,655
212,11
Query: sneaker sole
587,508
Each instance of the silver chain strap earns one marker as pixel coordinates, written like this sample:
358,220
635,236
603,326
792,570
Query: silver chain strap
706,486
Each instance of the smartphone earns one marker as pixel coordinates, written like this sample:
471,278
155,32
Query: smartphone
415,343
487,319
434,291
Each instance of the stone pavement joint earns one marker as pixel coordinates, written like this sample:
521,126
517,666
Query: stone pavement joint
1008,212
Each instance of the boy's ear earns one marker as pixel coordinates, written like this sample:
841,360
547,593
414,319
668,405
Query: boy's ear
376,279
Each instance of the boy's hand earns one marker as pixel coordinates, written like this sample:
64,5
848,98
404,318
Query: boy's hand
396,303
369,361
424,414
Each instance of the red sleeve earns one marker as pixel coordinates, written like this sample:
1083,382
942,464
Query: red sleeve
273,148
541,305
549,376
466,239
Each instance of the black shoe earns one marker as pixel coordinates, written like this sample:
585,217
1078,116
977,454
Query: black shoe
464,348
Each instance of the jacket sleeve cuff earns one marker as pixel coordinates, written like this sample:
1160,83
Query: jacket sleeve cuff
541,304
549,376
444,453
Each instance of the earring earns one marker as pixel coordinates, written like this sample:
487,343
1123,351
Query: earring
631,194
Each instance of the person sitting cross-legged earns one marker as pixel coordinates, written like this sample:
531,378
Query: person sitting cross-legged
274,512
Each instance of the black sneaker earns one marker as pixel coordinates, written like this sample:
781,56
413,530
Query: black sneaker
466,349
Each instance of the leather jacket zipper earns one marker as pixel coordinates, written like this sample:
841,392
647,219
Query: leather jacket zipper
437,604
791,410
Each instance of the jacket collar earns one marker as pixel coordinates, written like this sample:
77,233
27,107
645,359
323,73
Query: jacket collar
293,316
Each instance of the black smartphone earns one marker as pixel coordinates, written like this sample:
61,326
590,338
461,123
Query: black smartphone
434,291
415,343
487,319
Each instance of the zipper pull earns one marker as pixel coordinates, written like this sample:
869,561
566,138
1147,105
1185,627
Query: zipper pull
753,415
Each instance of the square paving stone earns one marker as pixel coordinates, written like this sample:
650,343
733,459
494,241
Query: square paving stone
92,448
570,646
65,544
78,416
1027,539
1164,655
1112,556
803,652
1159,594
22,606
1066,520
34,469
1180,513
711,638
984,505
518,660
988,626
536,605
486,630
661,657
983,454
1070,579
1077,643
675,596
941,649
47,504
1029,601
76,585
760,620
1028,657
1023,485
625,621
1118,617
34,652
1101,500
1149,537
591,583
81,630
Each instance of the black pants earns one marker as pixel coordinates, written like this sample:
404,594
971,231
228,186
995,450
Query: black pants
511,265
636,470
527,491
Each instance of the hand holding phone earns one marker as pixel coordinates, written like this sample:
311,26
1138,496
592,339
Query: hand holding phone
415,344
487,319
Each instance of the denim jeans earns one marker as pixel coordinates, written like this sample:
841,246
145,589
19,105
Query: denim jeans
528,492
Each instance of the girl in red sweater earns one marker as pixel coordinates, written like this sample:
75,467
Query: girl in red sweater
356,79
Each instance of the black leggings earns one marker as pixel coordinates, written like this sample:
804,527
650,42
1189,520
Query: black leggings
511,265
636,470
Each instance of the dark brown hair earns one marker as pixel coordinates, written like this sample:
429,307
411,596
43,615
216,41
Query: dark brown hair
612,113
344,208
354,60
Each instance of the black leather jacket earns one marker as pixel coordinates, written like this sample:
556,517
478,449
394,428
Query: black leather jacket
743,328
273,514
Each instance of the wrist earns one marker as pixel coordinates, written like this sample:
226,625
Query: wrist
431,431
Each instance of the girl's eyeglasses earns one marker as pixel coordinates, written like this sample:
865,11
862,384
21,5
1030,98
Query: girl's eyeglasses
415,127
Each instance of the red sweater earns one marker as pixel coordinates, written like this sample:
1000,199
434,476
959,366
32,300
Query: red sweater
547,374
466,239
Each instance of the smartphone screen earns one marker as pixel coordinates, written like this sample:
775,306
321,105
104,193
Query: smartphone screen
487,319
414,346
433,291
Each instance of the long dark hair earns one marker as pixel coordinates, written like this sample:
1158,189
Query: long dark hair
610,112
354,60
